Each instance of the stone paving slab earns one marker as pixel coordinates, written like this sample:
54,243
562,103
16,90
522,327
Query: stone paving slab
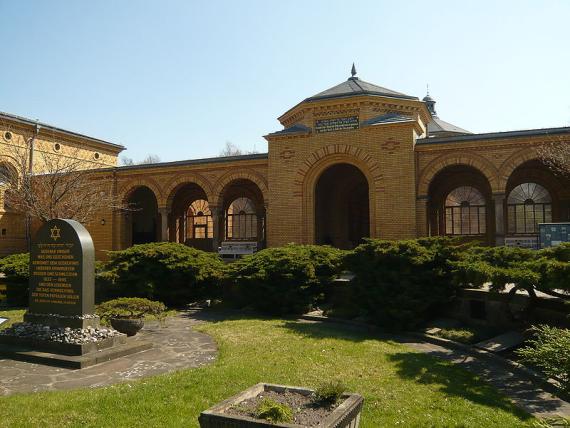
522,391
176,346
503,342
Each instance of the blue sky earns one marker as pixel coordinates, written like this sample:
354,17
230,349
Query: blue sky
180,78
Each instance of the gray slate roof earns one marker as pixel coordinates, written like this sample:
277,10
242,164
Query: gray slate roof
496,135
354,86
438,126
387,118
31,122
295,129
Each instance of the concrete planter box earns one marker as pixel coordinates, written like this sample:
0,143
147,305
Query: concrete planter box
346,415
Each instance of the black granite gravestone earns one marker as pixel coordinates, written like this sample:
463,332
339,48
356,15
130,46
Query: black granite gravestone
62,276
62,295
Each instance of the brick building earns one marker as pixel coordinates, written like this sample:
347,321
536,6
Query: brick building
356,160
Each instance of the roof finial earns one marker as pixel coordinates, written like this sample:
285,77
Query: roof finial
353,71
427,87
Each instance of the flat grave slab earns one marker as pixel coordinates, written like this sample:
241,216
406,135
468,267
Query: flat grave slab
503,342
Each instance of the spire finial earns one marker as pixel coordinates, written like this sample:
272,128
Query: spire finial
427,88
353,71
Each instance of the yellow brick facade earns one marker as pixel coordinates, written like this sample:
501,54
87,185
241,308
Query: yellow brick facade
408,173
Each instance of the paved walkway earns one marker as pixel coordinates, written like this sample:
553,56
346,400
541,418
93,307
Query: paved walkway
176,346
521,390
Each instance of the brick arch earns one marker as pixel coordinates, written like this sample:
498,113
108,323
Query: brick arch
188,178
327,156
10,163
131,185
319,161
513,162
469,159
245,174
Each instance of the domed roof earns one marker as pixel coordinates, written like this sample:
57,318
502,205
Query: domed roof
354,86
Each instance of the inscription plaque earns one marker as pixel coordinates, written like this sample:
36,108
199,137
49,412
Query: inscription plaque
336,124
62,270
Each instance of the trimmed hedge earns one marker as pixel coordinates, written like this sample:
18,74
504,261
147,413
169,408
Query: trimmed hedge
284,280
400,284
170,272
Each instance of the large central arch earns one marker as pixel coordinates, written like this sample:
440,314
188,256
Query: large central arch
342,206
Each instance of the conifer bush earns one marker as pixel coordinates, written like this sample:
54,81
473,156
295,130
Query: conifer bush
17,274
282,280
549,349
400,284
166,271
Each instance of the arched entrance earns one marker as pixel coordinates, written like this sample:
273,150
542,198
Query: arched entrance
191,217
534,195
143,217
460,204
243,212
342,216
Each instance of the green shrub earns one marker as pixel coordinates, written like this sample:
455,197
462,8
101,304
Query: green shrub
130,307
400,284
549,349
283,280
274,412
16,267
165,271
545,270
330,392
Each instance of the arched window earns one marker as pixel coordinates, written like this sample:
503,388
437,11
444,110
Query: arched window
465,212
199,220
5,179
5,176
241,220
527,205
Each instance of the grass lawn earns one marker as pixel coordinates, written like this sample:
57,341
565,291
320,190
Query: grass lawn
13,315
401,387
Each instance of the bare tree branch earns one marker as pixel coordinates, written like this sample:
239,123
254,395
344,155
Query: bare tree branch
556,155
68,185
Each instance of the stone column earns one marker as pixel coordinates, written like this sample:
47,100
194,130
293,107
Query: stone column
163,223
216,227
499,201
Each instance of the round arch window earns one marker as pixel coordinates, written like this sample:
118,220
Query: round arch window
465,212
199,220
528,204
241,220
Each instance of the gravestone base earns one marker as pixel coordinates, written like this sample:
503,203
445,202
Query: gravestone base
64,348
55,320
27,353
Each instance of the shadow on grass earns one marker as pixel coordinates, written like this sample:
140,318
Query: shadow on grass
349,332
216,314
452,381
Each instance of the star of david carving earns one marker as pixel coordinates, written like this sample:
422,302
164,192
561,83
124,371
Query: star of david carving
55,235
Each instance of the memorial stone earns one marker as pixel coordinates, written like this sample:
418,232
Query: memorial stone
62,276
